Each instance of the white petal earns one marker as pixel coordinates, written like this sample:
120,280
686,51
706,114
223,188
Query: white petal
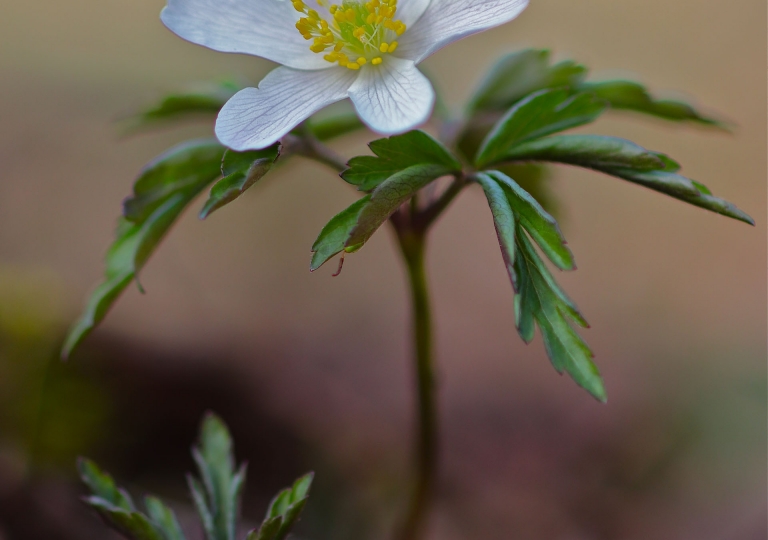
259,27
257,117
446,21
409,11
392,97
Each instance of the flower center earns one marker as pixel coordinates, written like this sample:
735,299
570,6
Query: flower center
358,32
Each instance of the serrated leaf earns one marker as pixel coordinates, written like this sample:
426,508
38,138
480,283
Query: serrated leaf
633,96
534,219
204,512
520,73
163,518
241,170
103,486
203,100
593,151
133,525
162,192
215,460
335,234
389,195
542,301
395,154
540,114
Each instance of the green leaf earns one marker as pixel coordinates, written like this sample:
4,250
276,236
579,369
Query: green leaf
284,511
395,154
133,525
162,192
541,300
389,195
538,115
103,486
682,188
534,219
520,73
203,100
593,151
163,518
241,170
628,161
503,220
632,96
216,463
538,299
334,235
204,511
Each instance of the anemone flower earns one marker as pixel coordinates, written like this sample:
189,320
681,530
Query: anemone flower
366,51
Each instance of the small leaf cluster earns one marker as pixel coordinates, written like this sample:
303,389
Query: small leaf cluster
216,495
515,120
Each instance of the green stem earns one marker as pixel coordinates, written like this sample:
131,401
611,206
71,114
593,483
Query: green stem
412,244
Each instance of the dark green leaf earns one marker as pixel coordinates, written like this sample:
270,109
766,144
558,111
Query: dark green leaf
163,518
103,486
520,73
133,525
205,100
162,192
395,154
538,115
629,161
334,235
540,225
241,170
536,179
632,96
388,197
593,151
541,300
682,188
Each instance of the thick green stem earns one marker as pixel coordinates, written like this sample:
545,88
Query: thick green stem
412,244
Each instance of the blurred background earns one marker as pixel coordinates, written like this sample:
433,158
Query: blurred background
312,372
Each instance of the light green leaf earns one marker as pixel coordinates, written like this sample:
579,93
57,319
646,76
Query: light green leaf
133,525
162,192
216,464
241,170
103,486
163,518
395,154
333,238
538,115
632,96
521,73
389,195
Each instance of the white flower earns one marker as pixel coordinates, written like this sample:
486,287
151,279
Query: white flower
366,50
